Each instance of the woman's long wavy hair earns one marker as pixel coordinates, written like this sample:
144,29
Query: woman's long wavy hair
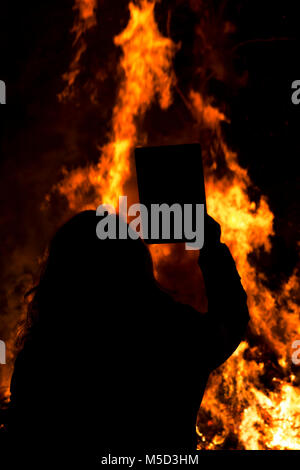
81,273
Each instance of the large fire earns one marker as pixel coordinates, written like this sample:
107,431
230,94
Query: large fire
251,401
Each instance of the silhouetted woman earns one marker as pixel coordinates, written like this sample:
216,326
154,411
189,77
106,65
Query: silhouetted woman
110,362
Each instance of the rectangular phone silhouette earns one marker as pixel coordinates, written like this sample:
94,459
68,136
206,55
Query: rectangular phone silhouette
169,175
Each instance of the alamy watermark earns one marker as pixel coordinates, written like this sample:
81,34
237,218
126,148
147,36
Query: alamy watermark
2,352
296,353
296,94
2,92
183,222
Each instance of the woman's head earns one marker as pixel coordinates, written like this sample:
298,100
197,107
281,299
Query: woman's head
77,251
83,273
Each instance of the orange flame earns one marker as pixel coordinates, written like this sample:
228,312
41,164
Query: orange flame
258,418
147,74
85,19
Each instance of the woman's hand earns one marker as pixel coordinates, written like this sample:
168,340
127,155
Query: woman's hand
212,234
